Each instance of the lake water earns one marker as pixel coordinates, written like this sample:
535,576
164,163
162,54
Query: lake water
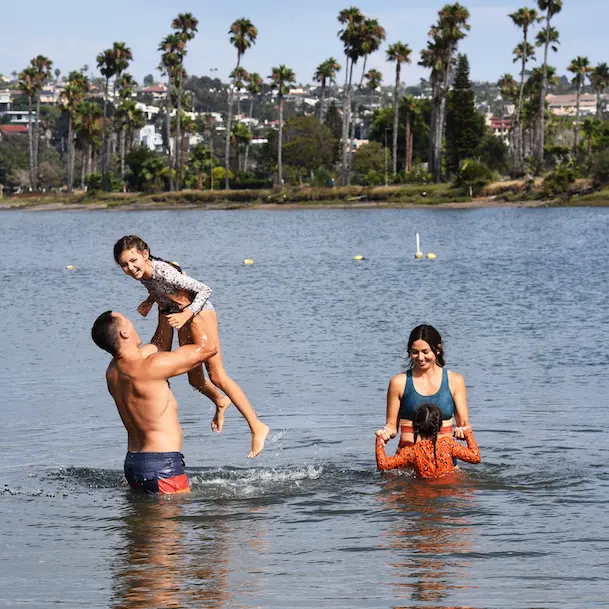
520,296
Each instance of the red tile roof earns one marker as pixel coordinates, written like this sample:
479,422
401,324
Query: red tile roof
13,129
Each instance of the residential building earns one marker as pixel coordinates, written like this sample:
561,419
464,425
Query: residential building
566,105
13,130
5,100
158,92
19,117
149,138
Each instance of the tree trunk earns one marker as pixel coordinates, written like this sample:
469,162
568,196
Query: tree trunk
598,104
83,171
70,154
89,158
280,143
408,158
122,152
518,143
431,160
247,147
182,155
322,100
178,135
229,118
168,132
30,134
36,141
346,115
396,119
104,161
542,96
577,110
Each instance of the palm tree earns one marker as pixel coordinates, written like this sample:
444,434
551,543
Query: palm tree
352,21
254,88
106,63
507,89
282,77
43,67
399,53
239,76
240,137
186,25
445,36
523,18
580,67
591,128
88,125
599,78
73,94
171,47
200,158
27,84
243,34
325,74
551,8
374,79
411,109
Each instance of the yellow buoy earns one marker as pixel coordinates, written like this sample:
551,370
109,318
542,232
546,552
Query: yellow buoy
358,257
70,267
431,256
418,255
248,261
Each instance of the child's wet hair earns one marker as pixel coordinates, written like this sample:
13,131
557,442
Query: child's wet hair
133,242
427,423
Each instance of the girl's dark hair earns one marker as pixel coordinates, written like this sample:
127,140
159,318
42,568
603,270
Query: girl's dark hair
432,337
129,242
427,423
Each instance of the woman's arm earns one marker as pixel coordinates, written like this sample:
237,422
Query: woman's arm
459,393
171,276
403,459
394,395
471,454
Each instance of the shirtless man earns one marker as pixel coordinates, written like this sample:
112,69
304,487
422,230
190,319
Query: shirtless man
137,379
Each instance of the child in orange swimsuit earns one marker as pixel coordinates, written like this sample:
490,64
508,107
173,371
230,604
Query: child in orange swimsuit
432,457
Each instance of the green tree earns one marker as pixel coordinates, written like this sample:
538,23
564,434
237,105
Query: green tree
464,126
282,77
507,90
88,125
551,8
307,144
591,129
148,80
243,34
325,74
398,53
371,159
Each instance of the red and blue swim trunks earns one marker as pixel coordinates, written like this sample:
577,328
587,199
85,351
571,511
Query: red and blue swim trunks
156,472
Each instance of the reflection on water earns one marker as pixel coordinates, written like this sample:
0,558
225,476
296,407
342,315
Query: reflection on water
163,564
429,533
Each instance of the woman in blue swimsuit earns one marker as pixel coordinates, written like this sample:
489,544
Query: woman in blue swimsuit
427,382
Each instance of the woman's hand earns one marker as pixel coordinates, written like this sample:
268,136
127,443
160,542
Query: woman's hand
177,320
145,307
459,432
387,433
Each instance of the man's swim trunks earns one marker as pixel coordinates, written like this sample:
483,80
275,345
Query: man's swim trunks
156,472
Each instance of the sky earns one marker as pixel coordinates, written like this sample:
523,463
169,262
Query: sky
298,34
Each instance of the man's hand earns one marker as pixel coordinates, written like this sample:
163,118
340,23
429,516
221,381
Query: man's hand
177,320
145,307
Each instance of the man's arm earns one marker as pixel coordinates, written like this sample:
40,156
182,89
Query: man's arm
164,365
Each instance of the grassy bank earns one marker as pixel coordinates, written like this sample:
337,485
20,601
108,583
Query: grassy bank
420,194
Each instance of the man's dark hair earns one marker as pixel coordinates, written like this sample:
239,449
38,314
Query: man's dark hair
105,333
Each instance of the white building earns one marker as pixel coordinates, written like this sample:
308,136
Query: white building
149,138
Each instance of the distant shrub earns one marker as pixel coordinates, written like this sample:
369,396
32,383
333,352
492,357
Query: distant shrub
599,168
473,176
559,181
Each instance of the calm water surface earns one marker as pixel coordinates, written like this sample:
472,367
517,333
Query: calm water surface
520,296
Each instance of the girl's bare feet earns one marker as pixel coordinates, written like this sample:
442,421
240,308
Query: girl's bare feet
259,434
217,422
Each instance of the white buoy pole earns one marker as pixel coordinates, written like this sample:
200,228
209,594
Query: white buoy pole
418,253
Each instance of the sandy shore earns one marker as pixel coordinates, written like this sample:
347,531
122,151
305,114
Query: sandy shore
480,203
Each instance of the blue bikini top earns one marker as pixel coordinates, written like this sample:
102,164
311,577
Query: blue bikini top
411,399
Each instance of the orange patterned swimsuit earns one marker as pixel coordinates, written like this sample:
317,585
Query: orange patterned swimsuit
420,456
